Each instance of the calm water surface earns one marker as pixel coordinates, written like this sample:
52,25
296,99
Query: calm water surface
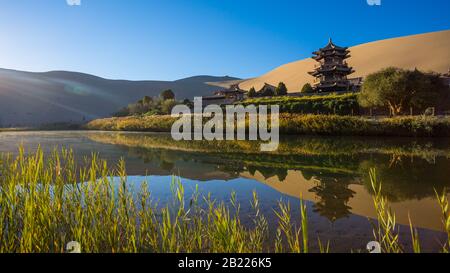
330,173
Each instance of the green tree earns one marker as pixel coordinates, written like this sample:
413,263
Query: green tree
281,89
123,112
167,105
188,103
399,90
428,90
136,108
307,89
267,92
167,95
147,100
252,93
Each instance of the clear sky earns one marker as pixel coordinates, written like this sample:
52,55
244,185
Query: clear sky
172,39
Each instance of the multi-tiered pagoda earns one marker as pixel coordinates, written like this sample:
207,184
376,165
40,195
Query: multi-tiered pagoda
332,71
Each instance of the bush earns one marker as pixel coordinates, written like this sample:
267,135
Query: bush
344,104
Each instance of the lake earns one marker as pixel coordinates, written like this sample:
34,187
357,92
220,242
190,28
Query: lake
329,173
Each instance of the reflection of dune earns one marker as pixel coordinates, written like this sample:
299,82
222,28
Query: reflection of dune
301,176
424,213
426,51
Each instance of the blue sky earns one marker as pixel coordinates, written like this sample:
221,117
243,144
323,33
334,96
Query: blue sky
172,39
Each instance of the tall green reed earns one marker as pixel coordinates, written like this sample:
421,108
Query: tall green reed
49,200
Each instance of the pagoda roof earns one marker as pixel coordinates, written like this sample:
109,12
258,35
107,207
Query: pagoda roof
320,54
322,70
334,84
332,46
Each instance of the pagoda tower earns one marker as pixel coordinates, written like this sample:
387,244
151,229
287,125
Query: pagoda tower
332,71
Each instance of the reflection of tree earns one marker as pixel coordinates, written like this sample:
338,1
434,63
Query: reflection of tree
268,172
403,176
334,196
167,166
408,177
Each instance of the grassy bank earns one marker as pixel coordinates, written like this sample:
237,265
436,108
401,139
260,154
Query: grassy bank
297,124
43,207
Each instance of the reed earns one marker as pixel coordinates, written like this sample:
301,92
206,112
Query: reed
385,231
445,208
47,201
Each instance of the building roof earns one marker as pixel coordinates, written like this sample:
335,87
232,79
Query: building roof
332,46
266,85
229,92
214,98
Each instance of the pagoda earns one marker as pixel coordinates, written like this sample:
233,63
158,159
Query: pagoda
332,71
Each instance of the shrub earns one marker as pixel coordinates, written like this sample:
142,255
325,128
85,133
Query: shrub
343,104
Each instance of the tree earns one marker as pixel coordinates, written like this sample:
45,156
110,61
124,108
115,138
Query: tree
188,103
267,92
281,90
428,90
167,95
167,105
399,89
252,93
307,89
122,112
136,108
147,100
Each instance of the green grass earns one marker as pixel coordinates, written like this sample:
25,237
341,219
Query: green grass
298,124
43,206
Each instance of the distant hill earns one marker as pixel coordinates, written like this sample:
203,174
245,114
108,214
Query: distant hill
428,52
28,99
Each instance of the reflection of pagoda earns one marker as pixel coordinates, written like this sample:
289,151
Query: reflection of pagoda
334,196
332,71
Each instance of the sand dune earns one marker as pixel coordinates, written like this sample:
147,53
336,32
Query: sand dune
428,52
28,99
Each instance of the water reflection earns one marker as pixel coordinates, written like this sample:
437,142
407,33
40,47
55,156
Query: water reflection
330,172
333,198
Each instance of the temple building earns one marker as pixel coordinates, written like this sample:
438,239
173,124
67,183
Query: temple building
234,92
332,70
225,96
446,78
267,87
